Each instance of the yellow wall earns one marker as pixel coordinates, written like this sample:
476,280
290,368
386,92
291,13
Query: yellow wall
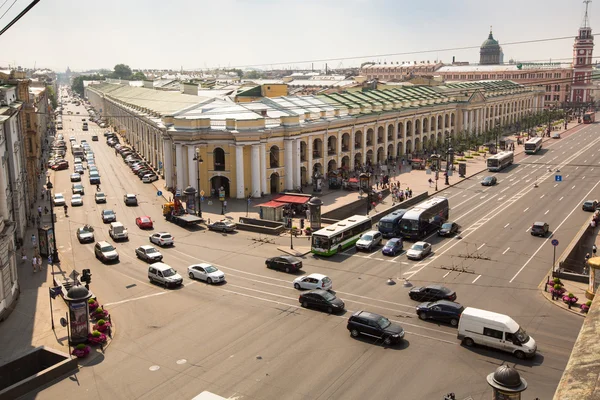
274,90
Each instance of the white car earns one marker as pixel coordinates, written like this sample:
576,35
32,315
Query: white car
313,281
148,178
59,199
206,272
76,200
419,251
162,239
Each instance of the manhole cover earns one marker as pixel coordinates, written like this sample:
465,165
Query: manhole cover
154,368
182,361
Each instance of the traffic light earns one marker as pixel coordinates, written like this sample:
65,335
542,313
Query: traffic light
302,224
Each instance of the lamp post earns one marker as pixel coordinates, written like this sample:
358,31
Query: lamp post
55,258
199,161
449,161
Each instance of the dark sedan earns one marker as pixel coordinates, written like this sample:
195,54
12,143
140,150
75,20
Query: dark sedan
590,205
489,181
284,263
322,300
392,247
448,229
432,293
441,310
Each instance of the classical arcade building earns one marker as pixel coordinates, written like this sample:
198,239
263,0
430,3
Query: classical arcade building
279,144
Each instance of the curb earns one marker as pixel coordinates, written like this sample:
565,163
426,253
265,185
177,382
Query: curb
571,310
294,253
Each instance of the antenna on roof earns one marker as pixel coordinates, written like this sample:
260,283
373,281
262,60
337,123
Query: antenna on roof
586,21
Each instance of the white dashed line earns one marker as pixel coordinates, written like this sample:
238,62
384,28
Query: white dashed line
507,225
542,196
447,273
475,280
573,187
525,210
546,212
481,246
556,185
560,198
507,249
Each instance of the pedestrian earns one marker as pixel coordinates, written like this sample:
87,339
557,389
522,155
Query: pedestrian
23,257
430,182
594,250
33,241
42,194
39,263
225,205
34,262
46,210
410,193
40,211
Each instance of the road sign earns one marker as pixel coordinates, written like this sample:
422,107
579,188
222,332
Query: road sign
202,193
159,193
160,164
558,178
74,274
202,199
554,242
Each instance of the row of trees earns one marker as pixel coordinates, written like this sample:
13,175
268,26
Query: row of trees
120,71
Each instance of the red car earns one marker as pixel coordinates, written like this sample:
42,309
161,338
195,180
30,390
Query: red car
144,222
60,165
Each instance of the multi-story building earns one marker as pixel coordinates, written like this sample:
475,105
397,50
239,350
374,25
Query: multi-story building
277,144
398,71
583,49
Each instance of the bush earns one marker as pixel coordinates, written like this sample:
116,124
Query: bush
556,281
589,303
469,157
101,322
96,334
461,159
81,346
91,301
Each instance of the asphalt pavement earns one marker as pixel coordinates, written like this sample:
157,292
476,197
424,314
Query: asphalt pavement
249,338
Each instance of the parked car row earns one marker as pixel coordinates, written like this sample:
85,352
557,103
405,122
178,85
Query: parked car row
142,169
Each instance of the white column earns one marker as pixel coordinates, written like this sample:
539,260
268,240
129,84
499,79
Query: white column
477,122
464,121
192,168
297,164
385,142
179,165
288,164
352,150
339,149
168,163
309,155
364,146
263,167
256,178
239,171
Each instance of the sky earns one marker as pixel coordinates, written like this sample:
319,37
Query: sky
266,34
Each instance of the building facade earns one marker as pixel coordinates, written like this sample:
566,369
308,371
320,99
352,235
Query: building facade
279,144
398,71
583,50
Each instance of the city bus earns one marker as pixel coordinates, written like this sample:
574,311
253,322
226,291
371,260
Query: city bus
424,218
389,226
533,145
589,117
339,236
500,160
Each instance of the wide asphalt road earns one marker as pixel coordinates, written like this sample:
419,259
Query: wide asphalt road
250,339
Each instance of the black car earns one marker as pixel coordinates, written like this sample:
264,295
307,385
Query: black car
590,205
376,326
539,229
448,229
432,293
284,263
489,181
441,310
321,299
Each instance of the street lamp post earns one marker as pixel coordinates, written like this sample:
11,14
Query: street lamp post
199,161
55,258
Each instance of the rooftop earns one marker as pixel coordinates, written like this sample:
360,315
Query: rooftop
503,67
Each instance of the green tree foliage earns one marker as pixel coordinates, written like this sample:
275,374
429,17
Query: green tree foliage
252,75
77,85
138,76
122,71
52,97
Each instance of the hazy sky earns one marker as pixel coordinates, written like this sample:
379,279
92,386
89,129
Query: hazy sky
89,34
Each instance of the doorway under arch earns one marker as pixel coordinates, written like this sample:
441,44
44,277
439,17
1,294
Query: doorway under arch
274,183
218,182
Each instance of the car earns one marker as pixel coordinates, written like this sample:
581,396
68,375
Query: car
284,263
441,310
206,272
223,226
76,200
59,199
489,181
368,240
77,112
144,222
376,326
108,216
82,119
164,274
130,199
418,251
77,188
148,253
77,160
590,205
162,239
78,169
142,172
107,133
149,178
539,229
60,165
556,135
105,252
93,169
94,138
392,247
448,229
323,300
313,281
85,234
431,293
75,177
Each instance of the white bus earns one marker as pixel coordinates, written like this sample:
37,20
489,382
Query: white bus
500,160
533,145
343,234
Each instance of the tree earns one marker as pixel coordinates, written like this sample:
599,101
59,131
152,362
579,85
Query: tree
122,71
252,75
52,97
77,85
138,76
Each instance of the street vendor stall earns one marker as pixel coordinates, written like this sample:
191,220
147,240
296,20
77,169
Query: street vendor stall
334,179
350,184
417,163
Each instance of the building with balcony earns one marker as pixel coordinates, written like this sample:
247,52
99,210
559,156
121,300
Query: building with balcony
280,143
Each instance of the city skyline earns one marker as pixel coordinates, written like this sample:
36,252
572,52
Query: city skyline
242,34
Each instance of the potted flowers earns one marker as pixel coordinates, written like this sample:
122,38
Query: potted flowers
92,304
102,325
81,350
586,307
557,291
308,231
570,299
97,337
550,284
99,313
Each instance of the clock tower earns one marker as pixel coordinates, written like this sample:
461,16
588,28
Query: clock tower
582,62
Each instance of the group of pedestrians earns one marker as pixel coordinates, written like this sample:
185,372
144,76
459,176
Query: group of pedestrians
398,195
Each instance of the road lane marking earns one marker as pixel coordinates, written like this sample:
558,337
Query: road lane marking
504,190
547,211
560,198
583,177
447,273
507,249
481,246
475,280
542,196
483,197
553,233
501,198
573,187
567,176
556,185
525,210
576,168
507,225
137,298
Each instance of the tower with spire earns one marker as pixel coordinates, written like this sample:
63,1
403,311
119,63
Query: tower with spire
583,49
490,52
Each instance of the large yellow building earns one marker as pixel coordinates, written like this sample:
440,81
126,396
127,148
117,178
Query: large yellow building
277,144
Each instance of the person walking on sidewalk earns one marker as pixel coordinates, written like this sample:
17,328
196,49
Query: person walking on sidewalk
23,257
594,248
430,182
39,211
33,240
34,262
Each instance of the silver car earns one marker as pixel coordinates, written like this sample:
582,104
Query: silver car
85,234
419,251
369,240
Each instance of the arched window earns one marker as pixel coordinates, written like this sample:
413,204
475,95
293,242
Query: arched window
219,159
274,157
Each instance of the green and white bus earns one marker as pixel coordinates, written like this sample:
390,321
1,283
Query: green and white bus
339,236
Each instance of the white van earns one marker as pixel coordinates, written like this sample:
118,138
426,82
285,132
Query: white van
495,330
117,231
165,275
